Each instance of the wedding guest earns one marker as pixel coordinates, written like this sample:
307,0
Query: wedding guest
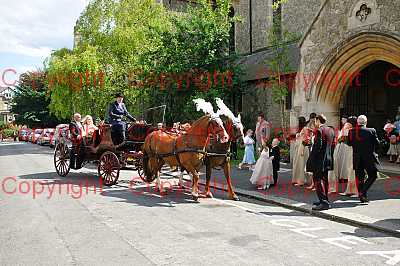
364,142
301,153
76,128
321,161
248,158
275,153
333,176
343,161
310,141
263,132
351,188
88,127
392,135
343,121
78,145
263,171
397,122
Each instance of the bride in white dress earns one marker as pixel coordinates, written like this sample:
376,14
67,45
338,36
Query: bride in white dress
263,171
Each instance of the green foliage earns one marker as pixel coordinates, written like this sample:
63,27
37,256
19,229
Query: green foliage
277,3
9,132
30,102
76,83
147,52
3,125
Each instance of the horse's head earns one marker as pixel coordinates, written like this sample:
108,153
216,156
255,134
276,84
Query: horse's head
234,125
216,127
234,128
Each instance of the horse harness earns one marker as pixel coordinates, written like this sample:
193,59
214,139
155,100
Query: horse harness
176,151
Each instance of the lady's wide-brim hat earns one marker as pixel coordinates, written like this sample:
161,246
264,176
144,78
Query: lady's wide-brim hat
119,94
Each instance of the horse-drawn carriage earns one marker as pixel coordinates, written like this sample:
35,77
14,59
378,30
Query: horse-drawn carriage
147,149
101,150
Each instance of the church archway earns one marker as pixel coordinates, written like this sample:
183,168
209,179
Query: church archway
375,93
351,62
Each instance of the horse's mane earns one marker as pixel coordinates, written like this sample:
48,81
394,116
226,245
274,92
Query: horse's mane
198,121
228,124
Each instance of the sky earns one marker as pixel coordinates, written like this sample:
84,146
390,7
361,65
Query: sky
30,30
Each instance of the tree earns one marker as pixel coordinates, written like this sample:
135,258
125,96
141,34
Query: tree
30,102
147,52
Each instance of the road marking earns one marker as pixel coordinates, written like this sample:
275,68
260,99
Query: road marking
299,204
348,239
278,222
301,231
385,254
392,260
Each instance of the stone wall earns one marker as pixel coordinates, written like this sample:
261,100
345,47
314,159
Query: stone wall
242,28
260,100
297,15
335,26
261,22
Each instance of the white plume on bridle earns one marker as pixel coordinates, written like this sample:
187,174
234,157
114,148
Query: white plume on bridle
224,110
206,107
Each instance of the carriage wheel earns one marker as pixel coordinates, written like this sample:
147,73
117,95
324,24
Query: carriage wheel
109,168
61,159
139,168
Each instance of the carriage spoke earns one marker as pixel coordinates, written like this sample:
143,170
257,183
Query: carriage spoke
108,168
62,168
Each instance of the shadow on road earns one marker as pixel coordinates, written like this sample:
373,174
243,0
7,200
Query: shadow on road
13,149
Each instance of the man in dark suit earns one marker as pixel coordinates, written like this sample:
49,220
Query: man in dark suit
364,141
78,149
75,127
116,112
321,161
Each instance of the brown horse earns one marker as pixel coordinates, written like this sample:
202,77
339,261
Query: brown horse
218,155
187,150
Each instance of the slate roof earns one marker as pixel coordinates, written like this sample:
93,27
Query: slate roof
254,66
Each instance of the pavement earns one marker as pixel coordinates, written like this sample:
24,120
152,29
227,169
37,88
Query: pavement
381,213
50,220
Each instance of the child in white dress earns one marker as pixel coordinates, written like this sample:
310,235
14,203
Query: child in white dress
262,176
248,158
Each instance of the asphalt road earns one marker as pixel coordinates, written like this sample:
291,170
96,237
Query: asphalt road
48,220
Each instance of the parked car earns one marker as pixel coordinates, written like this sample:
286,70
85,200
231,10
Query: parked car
23,134
62,130
36,134
51,138
46,136
30,136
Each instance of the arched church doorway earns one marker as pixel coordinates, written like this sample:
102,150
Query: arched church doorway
375,92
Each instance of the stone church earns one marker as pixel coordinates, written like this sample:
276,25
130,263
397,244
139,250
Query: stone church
347,61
